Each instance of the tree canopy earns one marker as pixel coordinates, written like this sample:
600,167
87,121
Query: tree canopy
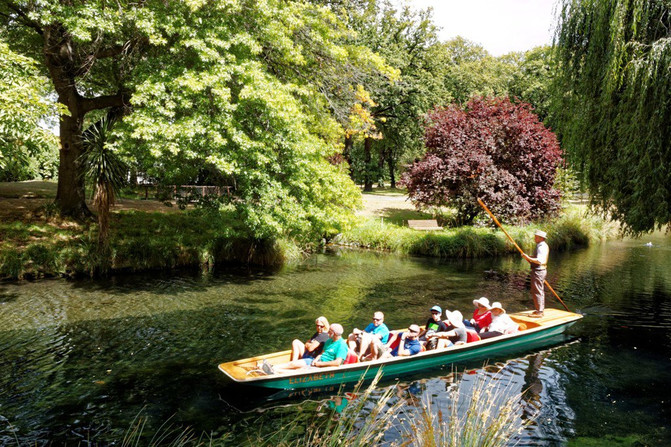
613,97
492,149
252,89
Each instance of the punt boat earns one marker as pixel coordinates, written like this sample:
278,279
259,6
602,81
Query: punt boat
531,331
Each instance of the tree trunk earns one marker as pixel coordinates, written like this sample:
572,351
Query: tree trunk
71,194
380,168
65,65
347,154
392,177
367,156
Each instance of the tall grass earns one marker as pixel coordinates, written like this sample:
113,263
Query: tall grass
487,416
573,229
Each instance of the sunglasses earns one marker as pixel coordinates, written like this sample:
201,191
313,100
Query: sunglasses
377,319
320,325
413,332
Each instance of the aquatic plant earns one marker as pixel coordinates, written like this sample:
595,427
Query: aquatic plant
487,415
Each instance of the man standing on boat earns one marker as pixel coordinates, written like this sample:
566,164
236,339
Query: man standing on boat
538,263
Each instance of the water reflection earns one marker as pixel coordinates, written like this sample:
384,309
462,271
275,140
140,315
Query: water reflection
79,360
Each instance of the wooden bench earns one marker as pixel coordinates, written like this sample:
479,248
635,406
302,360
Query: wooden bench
429,224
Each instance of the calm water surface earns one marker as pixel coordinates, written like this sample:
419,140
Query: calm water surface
79,361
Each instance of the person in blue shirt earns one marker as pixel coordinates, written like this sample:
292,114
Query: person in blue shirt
371,340
409,344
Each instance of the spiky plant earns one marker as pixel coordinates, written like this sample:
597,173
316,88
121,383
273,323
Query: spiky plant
486,416
106,171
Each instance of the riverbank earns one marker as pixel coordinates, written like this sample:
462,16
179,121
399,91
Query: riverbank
148,235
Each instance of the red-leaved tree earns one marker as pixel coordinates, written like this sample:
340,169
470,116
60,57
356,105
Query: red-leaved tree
492,149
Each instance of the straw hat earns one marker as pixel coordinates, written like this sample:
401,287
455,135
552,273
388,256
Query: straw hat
542,234
482,301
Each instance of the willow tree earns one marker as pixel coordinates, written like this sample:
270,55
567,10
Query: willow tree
613,112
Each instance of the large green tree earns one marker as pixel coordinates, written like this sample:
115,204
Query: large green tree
613,97
203,82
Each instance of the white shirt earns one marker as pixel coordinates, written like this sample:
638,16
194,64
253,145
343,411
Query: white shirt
501,323
542,254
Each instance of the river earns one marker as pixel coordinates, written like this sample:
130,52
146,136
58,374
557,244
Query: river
81,360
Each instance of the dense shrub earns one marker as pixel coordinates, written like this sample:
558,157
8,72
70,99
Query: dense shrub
492,149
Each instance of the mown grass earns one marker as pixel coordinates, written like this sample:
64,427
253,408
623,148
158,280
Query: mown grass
575,228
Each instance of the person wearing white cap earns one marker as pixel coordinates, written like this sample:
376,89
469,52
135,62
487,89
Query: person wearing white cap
501,323
482,317
538,262
456,333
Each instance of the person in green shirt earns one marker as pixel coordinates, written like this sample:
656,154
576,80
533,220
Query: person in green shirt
335,349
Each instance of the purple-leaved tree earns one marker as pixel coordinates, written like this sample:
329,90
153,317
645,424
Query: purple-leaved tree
492,149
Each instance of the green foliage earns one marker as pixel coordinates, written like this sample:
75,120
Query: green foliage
27,151
210,84
139,241
612,105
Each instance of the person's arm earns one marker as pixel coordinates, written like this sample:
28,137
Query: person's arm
402,351
541,256
311,345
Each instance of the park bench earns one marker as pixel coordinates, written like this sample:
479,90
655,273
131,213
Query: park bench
428,224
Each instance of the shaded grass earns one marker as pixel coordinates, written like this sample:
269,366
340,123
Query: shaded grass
138,241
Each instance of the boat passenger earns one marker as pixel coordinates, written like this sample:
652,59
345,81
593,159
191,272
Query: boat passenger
408,345
456,331
482,317
313,347
434,323
371,340
335,349
334,353
501,323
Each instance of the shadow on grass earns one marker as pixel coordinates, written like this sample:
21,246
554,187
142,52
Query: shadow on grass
28,190
400,217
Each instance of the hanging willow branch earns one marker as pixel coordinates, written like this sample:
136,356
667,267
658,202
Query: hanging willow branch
614,104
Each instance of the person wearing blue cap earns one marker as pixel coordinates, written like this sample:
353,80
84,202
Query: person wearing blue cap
434,324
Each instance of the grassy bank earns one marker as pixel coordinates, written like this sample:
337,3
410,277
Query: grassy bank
42,247
575,228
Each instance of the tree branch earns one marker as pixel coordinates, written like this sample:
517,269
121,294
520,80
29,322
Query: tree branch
25,19
103,102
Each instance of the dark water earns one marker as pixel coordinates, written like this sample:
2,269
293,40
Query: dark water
79,361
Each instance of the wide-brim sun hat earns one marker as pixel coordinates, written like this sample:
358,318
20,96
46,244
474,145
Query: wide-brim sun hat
455,318
541,233
497,305
482,301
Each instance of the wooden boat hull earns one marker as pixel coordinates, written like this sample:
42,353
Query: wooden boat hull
553,324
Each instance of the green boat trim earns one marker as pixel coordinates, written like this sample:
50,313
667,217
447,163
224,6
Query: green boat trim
532,330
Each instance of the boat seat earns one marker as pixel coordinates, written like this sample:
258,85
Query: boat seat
471,335
351,358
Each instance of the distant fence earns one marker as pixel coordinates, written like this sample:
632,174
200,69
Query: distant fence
185,190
